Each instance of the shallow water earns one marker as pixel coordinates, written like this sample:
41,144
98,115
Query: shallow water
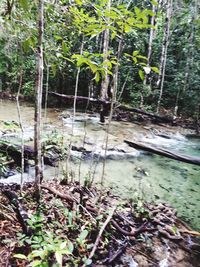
152,177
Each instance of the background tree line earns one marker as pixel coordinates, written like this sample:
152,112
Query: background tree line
144,53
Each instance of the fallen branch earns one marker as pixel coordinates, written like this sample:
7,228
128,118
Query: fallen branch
159,118
87,212
101,232
117,105
150,259
8,162
184,224
69,198
170,236
165,153
135,232
82,98
193,233
21,214
116,255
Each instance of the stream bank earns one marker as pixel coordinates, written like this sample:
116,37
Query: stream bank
80,226
151,177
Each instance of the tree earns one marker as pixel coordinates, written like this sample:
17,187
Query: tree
165,43
38,97
149,54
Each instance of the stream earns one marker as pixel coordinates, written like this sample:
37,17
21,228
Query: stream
130,173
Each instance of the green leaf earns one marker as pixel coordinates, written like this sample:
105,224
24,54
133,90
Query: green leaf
58,38
135,60
87,262
93,67
97,77
141,74
63,245
127,55
70,218
54,69
37,253
59,257
24,4
174,229
83,235
35,263
79,2
65,48
26,45
137,11
143,64
70,246
150,13
68,59
127,28
153,2
29,241
98,218
113,35
135,53
155,69
109,64
142,57
109,72
20,256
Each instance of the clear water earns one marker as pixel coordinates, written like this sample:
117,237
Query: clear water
154,178
151,176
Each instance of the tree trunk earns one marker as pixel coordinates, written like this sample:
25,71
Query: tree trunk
198,119
190,51
105,80
165,153
189,55
175,113
151,37
21,128
114,85
38,98
74,114
161,78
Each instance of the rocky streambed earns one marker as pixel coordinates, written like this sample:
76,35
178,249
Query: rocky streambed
97,151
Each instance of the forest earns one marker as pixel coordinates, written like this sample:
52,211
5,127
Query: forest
99,133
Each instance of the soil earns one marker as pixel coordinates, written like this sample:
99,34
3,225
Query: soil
117,232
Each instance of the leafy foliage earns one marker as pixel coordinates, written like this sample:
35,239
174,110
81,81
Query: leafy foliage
69,23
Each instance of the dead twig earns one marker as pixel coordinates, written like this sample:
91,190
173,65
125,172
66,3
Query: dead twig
117,254
135,232
100,233
21,214
9,217
87,212
193,233
69,198
143,254
170,236
8,162
6,208
182,223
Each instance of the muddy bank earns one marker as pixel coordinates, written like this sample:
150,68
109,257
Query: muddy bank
95,229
